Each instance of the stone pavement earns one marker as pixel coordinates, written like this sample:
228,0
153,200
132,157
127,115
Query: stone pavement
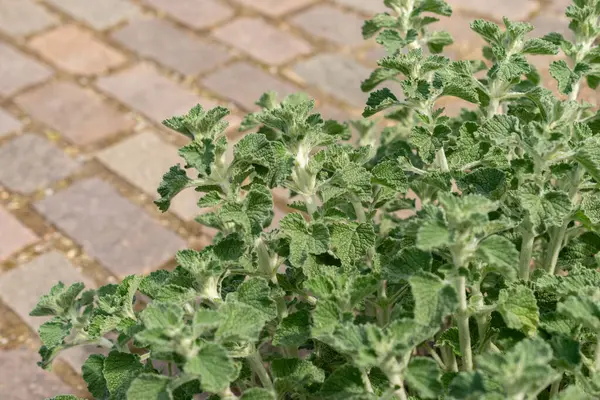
84,85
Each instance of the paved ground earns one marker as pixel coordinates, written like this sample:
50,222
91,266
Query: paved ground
84,85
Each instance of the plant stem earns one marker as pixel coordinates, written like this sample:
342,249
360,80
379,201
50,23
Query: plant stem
366,381
555,387
258,367
311,207
462,321
442,160
449,359
400,392
383,312
435,356
359,211
597,354
526,251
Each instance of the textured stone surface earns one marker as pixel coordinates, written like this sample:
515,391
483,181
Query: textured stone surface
142,160
266,43
99,14
18,70
170,46
244,84
336,75
197,14
23,17
76,51
15,235
8,123
513,9
80,115
22,379
275,8
109,228
144,89
30,162
327,22
369,7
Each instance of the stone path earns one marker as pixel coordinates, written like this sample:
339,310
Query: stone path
84,85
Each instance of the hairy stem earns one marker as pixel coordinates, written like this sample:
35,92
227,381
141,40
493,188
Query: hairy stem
442,160
449,359
436,357
462,321
525,256
258,367
359,211
311,207
366,381
555,387
597,354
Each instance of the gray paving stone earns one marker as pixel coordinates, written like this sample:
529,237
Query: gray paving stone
109,228
336,75
142,160
21,288
18,70
99,14
327,22
168,45
30,162
23,17
22,379
14,235
197,14
144,89
8,123
244,84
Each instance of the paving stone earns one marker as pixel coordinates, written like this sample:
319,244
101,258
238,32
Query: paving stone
15,235
336,75
22,379
144,89
76,51
80,115
560,6
23,17
466,42
168,45
142,160
366,6
8,123
30,162
265,43
99,14
275,8
197,14
327,22
546,23
244,84
512,9
109,228
18,70
21,288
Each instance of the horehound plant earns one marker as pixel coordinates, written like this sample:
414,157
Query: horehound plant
489,290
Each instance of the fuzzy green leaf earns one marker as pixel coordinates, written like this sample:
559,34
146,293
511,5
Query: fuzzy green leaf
214,367
434,299
424,376
173,182
149,387
518,307
93,374
305,239
500,253
120,369
257,394
58,301
351,241
294,330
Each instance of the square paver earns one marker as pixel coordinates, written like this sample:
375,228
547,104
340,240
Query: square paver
15,235
171,46
23,17
197,14
329,23
512,9
99,14
369,7
21,288
76,51
22,379
142,160
144,89
119,234
275,8
262,41
336,75
30,162
18,70
80,115
244,84
8,123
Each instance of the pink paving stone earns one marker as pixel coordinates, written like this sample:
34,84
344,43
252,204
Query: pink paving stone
169,45
466,42
144,89
244,84
17,70
197,14
76,51
15,235
367,6
80,115
262,41
275,8
513,9
329,23
8,123
99,14
23,17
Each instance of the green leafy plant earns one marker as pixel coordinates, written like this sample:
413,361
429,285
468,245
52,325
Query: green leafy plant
436,258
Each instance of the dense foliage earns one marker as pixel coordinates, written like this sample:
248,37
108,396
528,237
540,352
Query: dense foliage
437,258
